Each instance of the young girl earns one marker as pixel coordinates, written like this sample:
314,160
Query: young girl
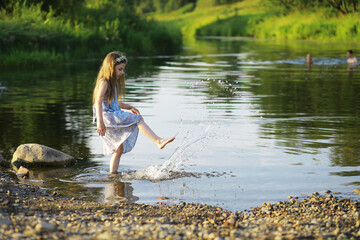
117,128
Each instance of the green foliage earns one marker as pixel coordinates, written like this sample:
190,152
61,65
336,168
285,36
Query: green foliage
315,20
212,3
241,25
308,25
288,6
161,6
147,6
97,27
58,6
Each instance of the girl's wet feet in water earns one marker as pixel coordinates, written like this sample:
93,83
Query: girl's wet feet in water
163,142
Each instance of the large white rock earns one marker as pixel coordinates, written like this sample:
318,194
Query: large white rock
35,154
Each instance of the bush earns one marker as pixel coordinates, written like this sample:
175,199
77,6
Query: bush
86,33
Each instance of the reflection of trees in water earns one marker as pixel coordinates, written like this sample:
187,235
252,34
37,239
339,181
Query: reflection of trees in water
46,107
318,109
346,151
140,84
52,106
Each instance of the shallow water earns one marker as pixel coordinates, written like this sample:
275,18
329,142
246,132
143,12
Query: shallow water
253,123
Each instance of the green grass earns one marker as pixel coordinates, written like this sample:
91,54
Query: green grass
253,18
311,25
189,22
35,36
239,25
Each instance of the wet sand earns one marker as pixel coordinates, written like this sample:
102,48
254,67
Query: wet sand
28,212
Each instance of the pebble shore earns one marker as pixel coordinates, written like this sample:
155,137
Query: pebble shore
28,212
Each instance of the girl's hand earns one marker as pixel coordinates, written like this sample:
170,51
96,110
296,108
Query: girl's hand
101,130
135,111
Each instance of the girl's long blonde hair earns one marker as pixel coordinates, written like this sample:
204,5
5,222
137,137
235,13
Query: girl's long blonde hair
107,73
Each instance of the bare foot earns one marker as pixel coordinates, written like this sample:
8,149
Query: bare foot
164,142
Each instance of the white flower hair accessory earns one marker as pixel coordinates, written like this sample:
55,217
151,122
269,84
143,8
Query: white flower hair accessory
120,60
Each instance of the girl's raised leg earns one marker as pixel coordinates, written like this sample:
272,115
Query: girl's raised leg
115,160
146,130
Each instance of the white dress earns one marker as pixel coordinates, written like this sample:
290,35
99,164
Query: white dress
121,127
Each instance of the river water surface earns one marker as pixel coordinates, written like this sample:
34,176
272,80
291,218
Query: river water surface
253,123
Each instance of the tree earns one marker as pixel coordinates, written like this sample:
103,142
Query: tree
342,5
58,6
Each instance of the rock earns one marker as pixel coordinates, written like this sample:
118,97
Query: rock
162,198
357,191
5,221
22,172
4,162
45,227
36,154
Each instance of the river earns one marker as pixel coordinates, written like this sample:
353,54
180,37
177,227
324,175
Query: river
253,123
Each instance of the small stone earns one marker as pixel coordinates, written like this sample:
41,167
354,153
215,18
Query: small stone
45,227
336,231
4,221
4,201
106,236
22,172
231,220
327,191
357,191
162,198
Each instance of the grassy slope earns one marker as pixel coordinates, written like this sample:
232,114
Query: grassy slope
250,18
191,21
30,36
315,25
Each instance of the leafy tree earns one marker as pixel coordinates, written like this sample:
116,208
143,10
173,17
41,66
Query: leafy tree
210,3
343,6
59,6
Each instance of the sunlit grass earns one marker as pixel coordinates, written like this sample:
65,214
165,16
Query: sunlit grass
189,22
310,25
90,32
252,18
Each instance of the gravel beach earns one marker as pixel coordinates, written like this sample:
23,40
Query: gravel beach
29,212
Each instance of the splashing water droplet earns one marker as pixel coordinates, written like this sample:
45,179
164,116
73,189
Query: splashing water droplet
175,160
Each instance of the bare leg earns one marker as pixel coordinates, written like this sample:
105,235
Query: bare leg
115,160
146,130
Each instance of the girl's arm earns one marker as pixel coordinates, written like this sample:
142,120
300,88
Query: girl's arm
129,107
101,129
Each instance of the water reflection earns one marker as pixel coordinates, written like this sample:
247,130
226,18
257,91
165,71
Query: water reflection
52,106
352,68
119,192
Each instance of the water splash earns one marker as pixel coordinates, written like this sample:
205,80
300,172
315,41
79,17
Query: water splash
171,168
176,160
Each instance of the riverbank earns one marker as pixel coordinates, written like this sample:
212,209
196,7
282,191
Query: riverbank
28,212
264,20
309,25
31,36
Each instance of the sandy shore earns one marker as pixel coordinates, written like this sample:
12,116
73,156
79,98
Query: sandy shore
28,212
